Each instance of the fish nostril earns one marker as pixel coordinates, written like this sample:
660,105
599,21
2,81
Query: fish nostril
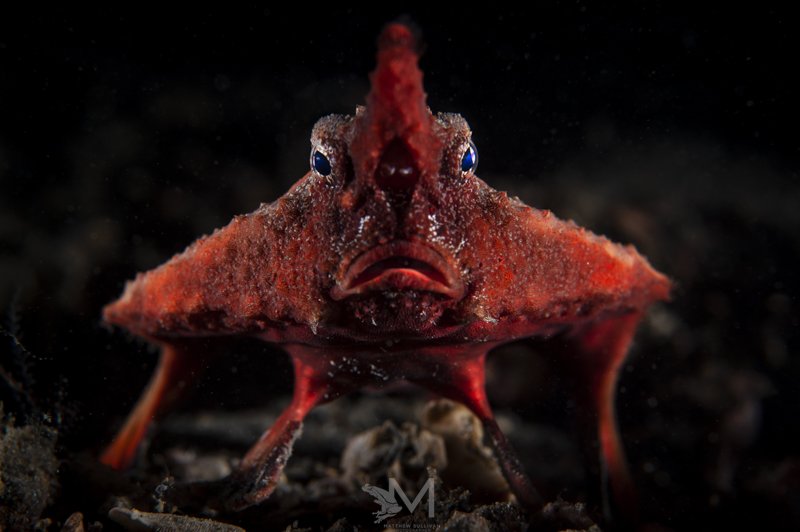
396,169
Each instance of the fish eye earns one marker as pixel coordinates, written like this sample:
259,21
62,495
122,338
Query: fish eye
320,163
469,161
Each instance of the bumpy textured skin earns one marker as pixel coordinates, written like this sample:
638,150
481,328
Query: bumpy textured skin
495,270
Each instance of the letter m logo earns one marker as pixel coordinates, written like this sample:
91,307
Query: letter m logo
394,488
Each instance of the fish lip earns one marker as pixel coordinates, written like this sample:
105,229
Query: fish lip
449,283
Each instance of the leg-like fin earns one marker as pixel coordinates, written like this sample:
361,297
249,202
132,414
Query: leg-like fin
602,349
176,366
261,468
464,382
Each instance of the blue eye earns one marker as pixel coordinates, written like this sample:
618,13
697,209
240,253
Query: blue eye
320,164
469,162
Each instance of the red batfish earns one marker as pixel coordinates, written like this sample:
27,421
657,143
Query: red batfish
390,260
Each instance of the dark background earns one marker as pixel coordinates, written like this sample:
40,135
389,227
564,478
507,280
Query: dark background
124,135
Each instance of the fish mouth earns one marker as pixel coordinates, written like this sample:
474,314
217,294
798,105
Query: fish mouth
396,266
